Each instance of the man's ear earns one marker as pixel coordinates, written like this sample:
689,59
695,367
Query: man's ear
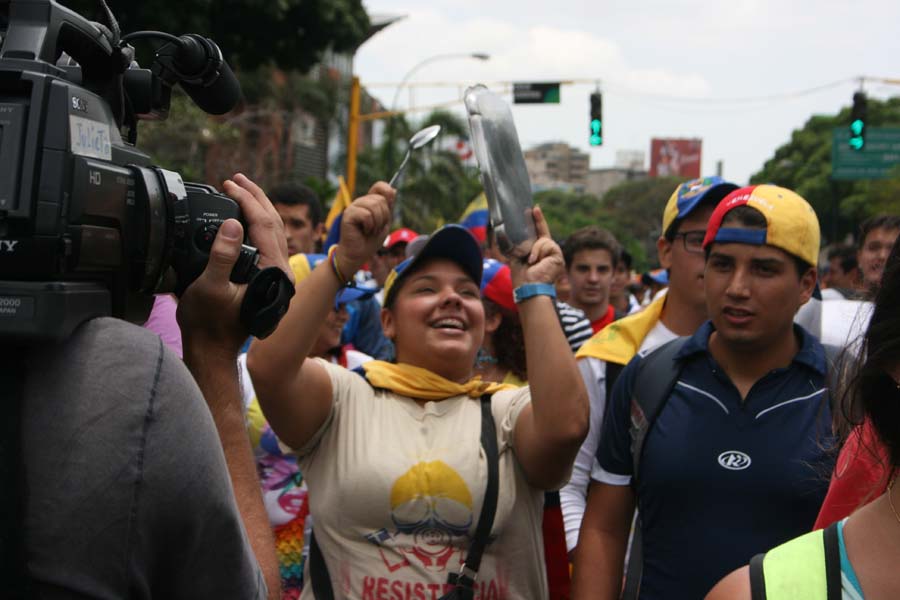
808,285
320,231
664,252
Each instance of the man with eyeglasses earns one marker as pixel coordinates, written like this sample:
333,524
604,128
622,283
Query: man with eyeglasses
679,312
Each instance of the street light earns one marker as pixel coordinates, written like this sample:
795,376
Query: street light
416,67
429,60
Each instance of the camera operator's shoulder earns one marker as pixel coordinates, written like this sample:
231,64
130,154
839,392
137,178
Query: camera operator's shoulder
111,359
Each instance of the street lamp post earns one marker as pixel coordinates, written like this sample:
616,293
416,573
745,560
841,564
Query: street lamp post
410,73
355,118
429,60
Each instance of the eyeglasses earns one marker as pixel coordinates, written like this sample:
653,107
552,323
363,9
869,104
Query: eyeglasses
692,240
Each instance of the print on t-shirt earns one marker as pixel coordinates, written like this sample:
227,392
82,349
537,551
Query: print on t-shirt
430,506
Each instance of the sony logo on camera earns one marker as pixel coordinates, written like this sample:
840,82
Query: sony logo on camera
79,104
8,245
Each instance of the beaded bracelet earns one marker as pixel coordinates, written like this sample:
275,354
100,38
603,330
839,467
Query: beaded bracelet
332,258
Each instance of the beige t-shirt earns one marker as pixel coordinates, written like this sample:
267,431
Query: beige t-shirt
396,488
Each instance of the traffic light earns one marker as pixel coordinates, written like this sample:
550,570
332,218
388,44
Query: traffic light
858,121
596,138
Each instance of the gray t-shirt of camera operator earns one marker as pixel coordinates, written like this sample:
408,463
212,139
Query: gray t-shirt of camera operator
128,494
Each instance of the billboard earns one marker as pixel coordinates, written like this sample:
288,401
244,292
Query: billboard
675,158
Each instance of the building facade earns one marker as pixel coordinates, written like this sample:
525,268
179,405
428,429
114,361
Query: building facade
557,166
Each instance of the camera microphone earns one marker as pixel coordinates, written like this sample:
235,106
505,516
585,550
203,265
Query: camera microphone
197,64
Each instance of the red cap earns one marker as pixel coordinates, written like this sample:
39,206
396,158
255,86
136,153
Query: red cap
496,284
400,236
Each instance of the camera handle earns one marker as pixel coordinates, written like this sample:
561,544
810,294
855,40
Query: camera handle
42,30
266,301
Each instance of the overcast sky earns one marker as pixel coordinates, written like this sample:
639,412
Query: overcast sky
651,57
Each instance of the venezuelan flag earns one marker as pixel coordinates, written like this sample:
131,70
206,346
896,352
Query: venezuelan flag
475,217
342,200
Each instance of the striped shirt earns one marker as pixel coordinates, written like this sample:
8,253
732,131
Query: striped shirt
575,325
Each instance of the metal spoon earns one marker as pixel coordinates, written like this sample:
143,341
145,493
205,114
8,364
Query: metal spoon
421,138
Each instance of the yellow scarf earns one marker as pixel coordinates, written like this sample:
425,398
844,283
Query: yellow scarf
415,382
619,341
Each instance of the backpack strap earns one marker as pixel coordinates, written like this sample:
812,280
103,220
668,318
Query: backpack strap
832,545
655,379
757,578
318,571
466,577
612,375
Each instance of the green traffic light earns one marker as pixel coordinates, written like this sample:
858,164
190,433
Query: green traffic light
856,127
857,143
595,127
596,140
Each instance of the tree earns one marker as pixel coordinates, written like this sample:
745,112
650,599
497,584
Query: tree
180,143
632,211
290,34
270,46
804,165
437,186
635,209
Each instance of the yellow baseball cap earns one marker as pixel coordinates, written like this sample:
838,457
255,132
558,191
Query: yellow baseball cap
791,223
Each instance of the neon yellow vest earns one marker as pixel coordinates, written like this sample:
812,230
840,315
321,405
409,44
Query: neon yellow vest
796,570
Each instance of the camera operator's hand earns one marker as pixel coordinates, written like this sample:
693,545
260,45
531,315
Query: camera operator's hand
266,229
209,317
364,226
209,310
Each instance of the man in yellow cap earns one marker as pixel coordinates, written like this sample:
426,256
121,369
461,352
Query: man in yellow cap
728,460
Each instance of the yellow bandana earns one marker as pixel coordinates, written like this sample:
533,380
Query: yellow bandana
415,382
619,341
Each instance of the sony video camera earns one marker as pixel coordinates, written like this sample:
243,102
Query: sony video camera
88,225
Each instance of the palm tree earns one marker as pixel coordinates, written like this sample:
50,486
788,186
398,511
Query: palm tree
437,186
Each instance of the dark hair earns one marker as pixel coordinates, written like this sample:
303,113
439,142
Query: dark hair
711,199
872,392
846,255
747,216
591,238
508,340
625,258
297,194
877,222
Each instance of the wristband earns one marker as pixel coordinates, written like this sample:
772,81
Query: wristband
530,290
332,258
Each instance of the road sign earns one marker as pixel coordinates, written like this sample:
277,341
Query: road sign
874,160
536,93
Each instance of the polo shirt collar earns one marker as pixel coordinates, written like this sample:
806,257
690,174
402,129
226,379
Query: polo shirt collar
811,353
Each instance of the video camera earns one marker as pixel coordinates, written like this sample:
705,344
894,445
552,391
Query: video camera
88,225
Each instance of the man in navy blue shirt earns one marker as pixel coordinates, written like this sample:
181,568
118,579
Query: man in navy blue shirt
736,461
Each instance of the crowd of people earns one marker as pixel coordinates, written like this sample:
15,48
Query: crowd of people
432,420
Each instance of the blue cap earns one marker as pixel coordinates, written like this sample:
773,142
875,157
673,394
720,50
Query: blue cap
453,242
689,194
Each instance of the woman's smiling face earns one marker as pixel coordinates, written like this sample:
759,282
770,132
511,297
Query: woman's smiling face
437,319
